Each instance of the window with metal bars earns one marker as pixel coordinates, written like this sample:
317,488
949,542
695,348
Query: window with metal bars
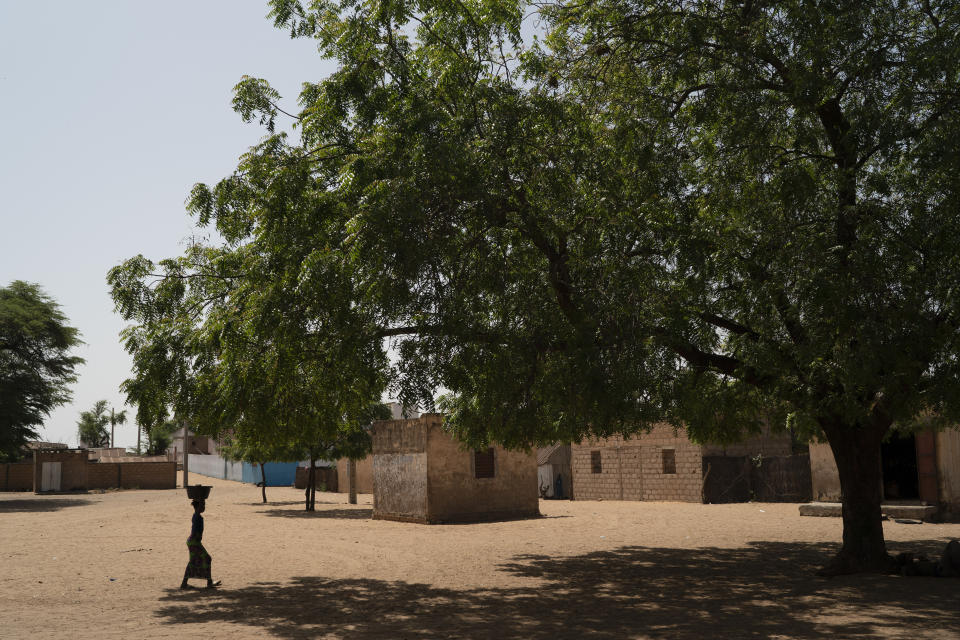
669,457
483,463
596,466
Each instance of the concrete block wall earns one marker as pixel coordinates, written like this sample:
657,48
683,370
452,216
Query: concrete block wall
102,475
632,469
148,475
683,486
621,469
16,476
73,468
132,475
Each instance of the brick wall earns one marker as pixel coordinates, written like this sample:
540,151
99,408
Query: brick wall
73,468
148,475
102,475
16,476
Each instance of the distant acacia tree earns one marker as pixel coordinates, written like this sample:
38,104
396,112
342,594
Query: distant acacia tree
36,368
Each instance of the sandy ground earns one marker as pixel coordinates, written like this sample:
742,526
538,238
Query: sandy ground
108,565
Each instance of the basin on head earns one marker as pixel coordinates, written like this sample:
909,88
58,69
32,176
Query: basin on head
198,491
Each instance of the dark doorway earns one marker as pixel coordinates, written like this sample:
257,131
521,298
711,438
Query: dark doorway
899,459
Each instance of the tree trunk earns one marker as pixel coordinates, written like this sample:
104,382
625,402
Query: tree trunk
138,440
311,481
856,449
263,482
352,479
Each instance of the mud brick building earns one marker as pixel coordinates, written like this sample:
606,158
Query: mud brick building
919,469
665,465
421,474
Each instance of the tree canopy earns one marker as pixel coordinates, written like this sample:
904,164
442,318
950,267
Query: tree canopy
92,426
36,368
701,212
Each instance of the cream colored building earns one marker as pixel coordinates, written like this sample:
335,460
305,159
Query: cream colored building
421,474
663,464
921,468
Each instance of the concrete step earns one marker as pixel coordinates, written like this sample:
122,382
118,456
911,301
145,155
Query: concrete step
926,513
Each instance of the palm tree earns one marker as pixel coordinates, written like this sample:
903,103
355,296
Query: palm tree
92,426
117,417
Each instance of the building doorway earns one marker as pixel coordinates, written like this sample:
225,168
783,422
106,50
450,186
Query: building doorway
898,455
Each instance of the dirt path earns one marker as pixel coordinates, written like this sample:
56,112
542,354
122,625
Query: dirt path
107,565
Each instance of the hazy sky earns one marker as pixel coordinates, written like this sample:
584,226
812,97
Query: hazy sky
109,113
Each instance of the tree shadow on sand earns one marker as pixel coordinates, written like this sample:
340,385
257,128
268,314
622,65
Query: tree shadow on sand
347,514
764,590
41,504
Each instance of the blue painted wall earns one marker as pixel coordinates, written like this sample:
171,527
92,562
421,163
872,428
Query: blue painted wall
279,474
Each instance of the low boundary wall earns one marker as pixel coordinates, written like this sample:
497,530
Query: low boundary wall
16,476
325,478
132,475
279,474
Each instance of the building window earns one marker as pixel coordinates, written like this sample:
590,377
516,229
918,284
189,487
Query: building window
483,463
669,457
596,466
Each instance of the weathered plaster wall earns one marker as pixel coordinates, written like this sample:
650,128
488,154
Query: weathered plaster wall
823,473
399,470
948,472
364,475
455,494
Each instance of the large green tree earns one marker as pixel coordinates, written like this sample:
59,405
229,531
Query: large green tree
703,212
216,337
36,368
